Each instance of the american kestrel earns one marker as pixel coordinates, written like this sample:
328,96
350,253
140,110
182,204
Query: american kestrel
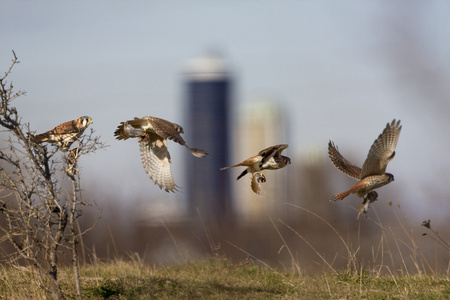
153,133
64,134
267,159
373,173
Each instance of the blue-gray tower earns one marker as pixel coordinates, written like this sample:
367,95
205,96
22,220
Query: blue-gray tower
208,96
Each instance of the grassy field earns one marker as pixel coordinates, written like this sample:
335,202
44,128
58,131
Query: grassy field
219,279
399,271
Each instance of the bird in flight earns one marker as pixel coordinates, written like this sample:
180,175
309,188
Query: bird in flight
64,134
267,159
373,173
152,134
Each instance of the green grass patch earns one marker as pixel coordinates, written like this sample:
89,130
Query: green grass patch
219,279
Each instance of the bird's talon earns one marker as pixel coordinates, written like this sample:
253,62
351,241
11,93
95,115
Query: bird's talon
262,178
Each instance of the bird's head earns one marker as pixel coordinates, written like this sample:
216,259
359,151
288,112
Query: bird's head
85,121
178,128
390,177
287,160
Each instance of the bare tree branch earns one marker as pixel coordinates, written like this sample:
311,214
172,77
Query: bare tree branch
36,217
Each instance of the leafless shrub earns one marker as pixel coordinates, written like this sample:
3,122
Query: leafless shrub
39,217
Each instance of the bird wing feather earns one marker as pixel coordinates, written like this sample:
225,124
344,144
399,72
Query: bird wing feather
271,151
341,163
156,161
382,150
66,127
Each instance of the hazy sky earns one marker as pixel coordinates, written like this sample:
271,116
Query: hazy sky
340,69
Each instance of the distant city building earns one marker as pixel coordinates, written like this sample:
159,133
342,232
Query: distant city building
310,184
261,124
208,102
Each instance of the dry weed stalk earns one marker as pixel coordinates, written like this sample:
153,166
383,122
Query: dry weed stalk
436,237
37,217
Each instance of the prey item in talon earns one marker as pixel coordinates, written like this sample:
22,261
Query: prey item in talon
364,207
261,178
256,187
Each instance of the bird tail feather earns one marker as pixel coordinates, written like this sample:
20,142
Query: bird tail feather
233,166
340,196
197,152
38,138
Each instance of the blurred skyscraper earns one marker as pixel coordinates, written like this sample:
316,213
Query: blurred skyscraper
208,96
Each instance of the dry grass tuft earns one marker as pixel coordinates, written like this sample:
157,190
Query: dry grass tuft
219,279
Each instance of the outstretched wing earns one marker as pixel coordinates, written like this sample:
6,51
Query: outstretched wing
156,161
341,163
382,150
271,151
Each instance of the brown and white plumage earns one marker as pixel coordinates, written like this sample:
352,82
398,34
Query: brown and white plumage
64,134
267,159
373,173
153,134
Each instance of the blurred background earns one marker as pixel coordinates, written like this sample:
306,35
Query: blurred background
240,76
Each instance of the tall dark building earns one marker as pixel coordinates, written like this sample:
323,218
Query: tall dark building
208,96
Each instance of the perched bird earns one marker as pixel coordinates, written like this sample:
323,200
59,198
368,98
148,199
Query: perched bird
64,134
267,159
373,173
152,134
